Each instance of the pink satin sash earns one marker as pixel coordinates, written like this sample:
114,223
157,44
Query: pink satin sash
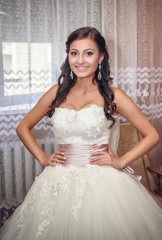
80,155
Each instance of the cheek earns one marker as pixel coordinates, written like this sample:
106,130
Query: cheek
94,61
71,61
94,64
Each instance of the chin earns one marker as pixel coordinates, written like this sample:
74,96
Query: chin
85,75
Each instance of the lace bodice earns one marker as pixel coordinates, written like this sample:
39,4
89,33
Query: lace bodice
85,126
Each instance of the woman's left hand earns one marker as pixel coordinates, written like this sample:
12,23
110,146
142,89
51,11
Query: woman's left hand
106,158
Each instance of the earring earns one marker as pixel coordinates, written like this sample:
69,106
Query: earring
71,74
99,71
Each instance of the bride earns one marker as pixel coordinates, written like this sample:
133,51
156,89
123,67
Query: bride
84,192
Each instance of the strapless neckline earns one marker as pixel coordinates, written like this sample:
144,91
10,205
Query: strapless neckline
83,109
79,110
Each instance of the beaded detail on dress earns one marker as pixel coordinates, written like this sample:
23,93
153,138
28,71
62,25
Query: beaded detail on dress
88,125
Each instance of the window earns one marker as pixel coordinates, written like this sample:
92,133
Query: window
27,71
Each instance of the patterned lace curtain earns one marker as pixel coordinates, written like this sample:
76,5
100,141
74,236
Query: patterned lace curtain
32,48
133,29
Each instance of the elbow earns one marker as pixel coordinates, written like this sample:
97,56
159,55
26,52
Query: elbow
22,128
156,137
18,129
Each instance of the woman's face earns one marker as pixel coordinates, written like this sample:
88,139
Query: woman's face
84,57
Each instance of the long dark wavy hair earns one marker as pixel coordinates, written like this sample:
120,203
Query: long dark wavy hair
65,83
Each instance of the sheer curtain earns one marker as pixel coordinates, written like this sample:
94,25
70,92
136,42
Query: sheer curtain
133,30
32,49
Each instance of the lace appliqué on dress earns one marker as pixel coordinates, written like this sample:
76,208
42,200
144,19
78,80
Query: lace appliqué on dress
74,180
88,125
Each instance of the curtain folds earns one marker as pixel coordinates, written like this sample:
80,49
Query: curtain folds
133,30
32,49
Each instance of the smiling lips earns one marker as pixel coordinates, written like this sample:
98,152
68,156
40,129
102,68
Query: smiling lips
81,68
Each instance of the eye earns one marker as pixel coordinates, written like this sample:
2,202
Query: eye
73,53
89,53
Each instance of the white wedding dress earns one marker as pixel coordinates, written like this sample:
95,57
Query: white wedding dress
85,201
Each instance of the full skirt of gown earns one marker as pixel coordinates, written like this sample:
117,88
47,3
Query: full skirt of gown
85,203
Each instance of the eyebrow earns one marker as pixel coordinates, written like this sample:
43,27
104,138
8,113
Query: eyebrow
73,49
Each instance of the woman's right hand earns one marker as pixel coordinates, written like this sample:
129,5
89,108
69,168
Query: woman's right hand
52,160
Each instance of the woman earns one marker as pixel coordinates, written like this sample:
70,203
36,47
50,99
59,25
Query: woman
83,192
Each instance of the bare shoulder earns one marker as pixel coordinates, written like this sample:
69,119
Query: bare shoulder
125,105
128,109
51,93
41,108
47,98
118,94
121,97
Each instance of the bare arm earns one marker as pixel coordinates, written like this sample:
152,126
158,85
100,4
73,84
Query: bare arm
127,108
30,120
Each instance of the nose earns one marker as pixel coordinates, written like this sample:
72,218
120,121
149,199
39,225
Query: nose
80,59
